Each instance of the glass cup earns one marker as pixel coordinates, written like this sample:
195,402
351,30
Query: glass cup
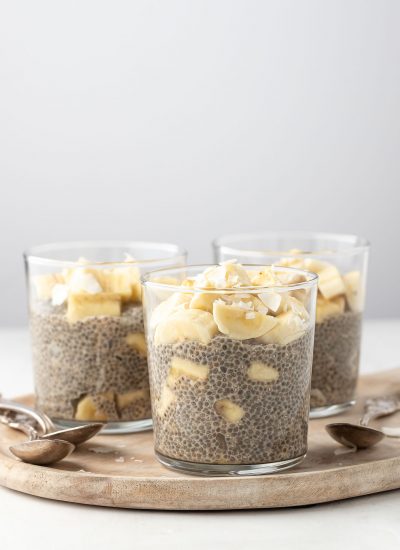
87,333
341,263
230,376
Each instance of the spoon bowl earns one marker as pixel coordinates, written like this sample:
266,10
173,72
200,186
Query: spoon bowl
42,451
354,436
76,435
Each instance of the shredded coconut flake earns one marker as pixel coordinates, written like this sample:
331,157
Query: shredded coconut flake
59,294
345,450
81,281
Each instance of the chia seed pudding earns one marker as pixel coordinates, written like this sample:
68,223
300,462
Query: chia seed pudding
89,370
337,334
274,422
230,369
88,343
336,359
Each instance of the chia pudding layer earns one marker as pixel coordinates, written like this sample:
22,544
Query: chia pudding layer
273,426
91,369
336,359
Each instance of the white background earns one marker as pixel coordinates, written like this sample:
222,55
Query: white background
182,120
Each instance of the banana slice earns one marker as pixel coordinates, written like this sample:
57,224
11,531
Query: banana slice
241,323
330,282
329,308
189,369
354,296
263,277
230,411
289,326
126,399
260,372
186,324
203,301
176,301
124,281
316,266
98,407
292,262
138,342
167,398
85,305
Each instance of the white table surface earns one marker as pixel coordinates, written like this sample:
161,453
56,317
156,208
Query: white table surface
26,522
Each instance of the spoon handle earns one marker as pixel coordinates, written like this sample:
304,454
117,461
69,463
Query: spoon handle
25,428
376,407
41,419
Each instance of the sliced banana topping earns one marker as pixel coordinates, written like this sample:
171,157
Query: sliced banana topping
352,284
289,326
84,279
186,324
85,305
263,277
176,301
335,290
203,301
330,282
240,321
329,308
124,281
201,315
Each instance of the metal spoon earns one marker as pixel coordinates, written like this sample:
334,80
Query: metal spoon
48,448
42,451
360,436
76,435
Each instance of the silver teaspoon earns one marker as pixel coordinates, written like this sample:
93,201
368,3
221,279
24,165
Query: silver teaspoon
360,436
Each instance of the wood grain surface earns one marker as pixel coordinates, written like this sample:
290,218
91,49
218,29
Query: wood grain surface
121,471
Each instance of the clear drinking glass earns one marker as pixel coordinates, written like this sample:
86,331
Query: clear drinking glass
341,263
229,375
87,333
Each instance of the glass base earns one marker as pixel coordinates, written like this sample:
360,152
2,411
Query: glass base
197,469
123,427
331,410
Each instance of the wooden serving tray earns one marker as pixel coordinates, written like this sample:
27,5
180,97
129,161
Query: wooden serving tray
121,471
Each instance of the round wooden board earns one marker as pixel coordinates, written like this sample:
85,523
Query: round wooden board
121,471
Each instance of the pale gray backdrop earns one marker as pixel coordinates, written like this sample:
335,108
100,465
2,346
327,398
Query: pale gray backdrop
181,120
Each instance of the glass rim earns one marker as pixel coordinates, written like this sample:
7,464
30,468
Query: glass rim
33,254
312,280
363,245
